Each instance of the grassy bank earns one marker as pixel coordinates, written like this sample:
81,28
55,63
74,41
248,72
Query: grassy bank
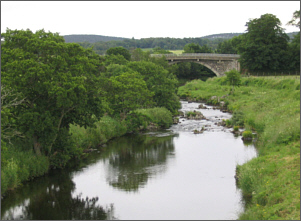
270,107
18,166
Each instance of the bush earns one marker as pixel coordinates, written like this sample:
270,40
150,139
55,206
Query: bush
247,134
238,118
105,129
158,115
20,166
235,128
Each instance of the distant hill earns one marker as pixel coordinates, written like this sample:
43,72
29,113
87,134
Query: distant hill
291,34
231,35
90,38
100,38
223,35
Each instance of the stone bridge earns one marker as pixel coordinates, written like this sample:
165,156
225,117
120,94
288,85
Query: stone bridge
218,63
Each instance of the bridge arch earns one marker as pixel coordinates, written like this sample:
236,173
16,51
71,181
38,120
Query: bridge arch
217,63
199,62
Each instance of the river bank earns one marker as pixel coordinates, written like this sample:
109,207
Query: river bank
24,166
271,108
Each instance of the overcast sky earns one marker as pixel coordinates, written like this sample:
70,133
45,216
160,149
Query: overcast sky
142,19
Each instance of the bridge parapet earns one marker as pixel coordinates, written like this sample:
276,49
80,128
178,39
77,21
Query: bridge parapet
200,55
218,63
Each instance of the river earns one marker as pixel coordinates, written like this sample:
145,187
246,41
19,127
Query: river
170,174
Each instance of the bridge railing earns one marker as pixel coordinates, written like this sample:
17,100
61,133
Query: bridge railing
196,55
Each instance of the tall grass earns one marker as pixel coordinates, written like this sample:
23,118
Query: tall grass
103,130
19,166
158,115
271,107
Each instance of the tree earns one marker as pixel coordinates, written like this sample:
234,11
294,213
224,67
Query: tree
115,59
9,99
233,78
119,51
195,48
139,55
128,91
158,50
294,21
59,82
160,82
226,47
294,46
265,46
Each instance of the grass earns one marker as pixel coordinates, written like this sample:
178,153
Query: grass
20,166
92,137
270,106
158,115
177,51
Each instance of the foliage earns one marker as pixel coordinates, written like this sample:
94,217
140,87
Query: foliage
265,46
236,128
158,50
139,55
158,115
128,91
17,167
119,51
114,59
190,71
247,134
160,82
294,21
195,48
9,99
233,78
104,129
230,46
58,80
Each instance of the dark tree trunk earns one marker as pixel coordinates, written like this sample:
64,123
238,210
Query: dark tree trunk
36,145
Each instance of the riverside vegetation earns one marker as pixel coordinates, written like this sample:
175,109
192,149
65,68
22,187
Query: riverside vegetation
60,101
270,107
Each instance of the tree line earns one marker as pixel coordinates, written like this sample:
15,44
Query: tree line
164,43
265,47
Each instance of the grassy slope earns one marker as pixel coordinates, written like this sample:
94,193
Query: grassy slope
271,107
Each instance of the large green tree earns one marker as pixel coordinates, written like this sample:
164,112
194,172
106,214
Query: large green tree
265,45
159,81
58,81
128,91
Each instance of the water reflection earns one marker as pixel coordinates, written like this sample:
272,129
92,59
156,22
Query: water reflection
50,197
137,160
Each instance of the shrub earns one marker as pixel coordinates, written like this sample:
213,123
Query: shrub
158,115
238,118
235,128
247,134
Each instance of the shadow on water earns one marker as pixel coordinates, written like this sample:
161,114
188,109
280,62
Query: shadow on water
134,159
50,197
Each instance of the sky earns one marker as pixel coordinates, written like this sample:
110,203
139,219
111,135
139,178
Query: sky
142,19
